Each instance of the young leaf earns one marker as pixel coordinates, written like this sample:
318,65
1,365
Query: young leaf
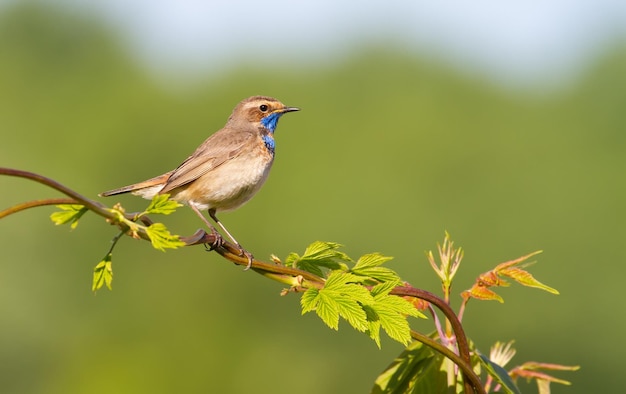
343,295
533,370
70,213
327,309
525,278
510,269
308,301
369,265
373,329
161,238
102,274
161,204
319,255
338,298
390,312
481,293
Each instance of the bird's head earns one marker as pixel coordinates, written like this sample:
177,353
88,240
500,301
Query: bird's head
260,110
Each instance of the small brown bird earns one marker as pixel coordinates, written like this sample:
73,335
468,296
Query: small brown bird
227,169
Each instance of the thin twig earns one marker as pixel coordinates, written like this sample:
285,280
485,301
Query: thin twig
36,203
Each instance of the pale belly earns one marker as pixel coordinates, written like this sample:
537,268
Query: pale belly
226,187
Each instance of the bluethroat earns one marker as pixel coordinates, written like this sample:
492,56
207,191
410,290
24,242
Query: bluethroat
227,169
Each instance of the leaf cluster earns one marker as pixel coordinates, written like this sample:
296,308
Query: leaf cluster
360,295
134,225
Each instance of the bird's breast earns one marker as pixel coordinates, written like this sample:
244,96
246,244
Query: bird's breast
231,184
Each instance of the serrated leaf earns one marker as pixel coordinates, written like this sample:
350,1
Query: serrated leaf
390,312
371,260
337,279
373,329
102,274
352,312
308,301
319,255
381,274
323,250
482,293
161,238
392,302
69,213
161,204
369,266
525,278
395,325
500,375
291,259
327,309
338,298
384,288
316,266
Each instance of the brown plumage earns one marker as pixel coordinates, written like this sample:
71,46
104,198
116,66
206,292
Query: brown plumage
227,169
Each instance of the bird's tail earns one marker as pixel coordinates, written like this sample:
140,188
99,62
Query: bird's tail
146,189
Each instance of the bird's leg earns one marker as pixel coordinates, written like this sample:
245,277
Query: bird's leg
243,252
218,237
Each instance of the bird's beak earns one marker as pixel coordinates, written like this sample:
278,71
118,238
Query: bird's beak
288,109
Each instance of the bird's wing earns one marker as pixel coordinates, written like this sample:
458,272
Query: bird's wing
156,181
215,151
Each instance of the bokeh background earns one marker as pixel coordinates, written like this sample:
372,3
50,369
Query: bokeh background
503,124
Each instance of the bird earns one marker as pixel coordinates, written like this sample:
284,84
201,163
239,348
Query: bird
226,170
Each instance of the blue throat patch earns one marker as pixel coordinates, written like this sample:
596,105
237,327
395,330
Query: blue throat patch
270,121
269,143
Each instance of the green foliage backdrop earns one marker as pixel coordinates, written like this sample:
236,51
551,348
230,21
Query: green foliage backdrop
388,152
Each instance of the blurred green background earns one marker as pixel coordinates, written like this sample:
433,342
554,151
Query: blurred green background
388,152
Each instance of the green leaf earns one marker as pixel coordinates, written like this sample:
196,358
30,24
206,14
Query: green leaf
353,313
394,324
384,288
319,255
323,250
500,375
373,329
327,309
370,265
390,312
415,370
344,296
161,238
309,300
102,274
69,213
161,204
339,298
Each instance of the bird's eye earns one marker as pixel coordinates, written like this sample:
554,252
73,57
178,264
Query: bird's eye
263,108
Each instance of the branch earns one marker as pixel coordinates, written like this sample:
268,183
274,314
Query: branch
281,273
94,206
35,203
232,253
297,279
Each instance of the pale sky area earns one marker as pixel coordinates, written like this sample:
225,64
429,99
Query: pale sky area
513,42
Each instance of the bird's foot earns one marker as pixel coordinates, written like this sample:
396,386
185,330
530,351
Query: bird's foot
248,255
219,241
